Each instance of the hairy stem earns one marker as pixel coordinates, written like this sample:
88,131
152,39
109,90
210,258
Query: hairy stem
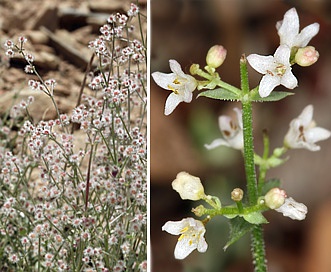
257,241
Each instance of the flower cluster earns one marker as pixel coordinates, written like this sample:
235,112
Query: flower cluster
277,69
75,197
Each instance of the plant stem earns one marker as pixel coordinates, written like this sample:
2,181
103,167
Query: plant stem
258,250
248,135
257,241
263,169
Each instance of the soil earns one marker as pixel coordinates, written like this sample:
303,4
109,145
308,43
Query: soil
58,34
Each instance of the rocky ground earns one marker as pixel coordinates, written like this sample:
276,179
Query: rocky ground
58,34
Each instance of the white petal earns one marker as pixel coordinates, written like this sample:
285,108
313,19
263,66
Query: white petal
306,115
172,102
224,123
163,80
261,63
289,27
202,245
317,134
184,248
174,227
282,55
237,142
176,68
216,143
187,94
267,84
293,209
306,35
190,84
289,80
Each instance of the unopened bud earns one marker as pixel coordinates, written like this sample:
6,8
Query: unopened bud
188,186
194,68
216,56
306,56
199,211
275,198
237,194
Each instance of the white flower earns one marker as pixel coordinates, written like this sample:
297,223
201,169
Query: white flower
293,209
276,69
288,30
181,85
232,132
188,186
303,132
191,236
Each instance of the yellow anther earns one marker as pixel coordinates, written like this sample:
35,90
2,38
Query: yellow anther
173,89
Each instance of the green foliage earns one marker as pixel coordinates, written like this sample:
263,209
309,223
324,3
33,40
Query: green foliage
238,228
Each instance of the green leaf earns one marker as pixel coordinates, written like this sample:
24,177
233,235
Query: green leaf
221,94
255,218
271,183
238,228
274,96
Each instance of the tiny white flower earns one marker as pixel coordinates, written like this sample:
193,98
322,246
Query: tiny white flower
181,85
188,186
232,132
303,132
191,233
276,69
293,209
288,30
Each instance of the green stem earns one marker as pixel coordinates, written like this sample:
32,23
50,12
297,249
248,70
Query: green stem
258,250
216,79
257,241
263,169
248,134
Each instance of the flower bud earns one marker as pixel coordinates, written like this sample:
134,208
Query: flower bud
237,194
188,186
199,211
216,56
275,198
306,56
194,68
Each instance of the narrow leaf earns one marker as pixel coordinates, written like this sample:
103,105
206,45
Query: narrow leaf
221,94
274,96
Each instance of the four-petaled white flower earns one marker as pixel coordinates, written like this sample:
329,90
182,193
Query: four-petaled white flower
293,209
288,30
191,233
232,132
181,85
303,132
188,186
276,69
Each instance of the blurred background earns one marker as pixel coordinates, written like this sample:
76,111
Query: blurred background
184,30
